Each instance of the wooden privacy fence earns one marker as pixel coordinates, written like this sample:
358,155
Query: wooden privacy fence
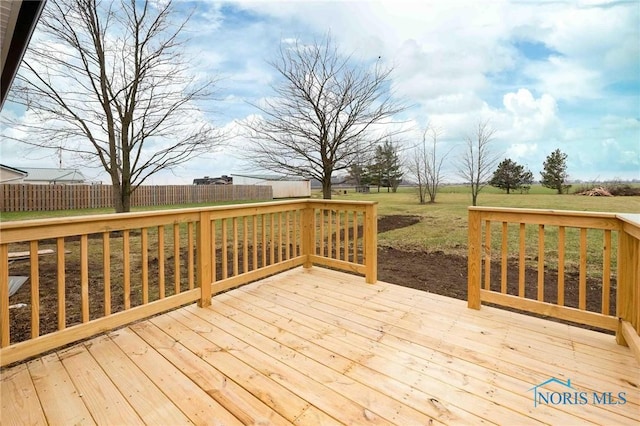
104,271
599,246
24,197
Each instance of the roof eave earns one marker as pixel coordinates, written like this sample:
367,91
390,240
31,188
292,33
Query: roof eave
16,35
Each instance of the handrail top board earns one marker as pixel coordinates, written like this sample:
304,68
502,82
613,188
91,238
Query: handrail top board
608,215
185,213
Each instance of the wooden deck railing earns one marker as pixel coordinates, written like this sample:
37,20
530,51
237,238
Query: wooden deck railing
501,239
109,270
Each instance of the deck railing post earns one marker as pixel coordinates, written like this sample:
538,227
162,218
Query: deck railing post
474,268
628,291
308,226
203,246
371,243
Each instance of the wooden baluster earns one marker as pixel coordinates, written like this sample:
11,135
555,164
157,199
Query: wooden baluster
561,252
504,249
355,237
582,286
487,255
606,272
289,224
234,227
161,284
144,249
225,257
126,265
271,239
254,222
84,276
280,237
214,251
264,240
176,258
338,240
35,289
106,271
329,233
321,214
245,245
346,236
521,261
190,256
541,263
61,281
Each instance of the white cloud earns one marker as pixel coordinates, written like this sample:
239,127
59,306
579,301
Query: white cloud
521,151
566,79
531,118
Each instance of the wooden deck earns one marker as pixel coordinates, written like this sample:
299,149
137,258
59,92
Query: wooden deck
322,347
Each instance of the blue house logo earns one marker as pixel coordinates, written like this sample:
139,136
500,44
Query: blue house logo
569,395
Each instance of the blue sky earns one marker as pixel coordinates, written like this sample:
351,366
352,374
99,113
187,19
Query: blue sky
546,75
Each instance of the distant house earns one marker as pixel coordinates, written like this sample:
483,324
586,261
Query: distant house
222,180
43,176
283,186
11,174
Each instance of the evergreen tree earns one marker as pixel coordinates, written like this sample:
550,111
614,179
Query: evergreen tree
359,174
555,175
386,168
511,175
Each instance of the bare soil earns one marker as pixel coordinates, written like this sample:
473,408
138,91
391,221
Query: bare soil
431,271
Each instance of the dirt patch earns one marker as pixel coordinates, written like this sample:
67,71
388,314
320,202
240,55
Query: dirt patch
389,223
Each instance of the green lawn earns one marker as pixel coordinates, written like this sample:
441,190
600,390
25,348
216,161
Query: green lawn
444,224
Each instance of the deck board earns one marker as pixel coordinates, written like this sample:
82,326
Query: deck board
322,347
61,402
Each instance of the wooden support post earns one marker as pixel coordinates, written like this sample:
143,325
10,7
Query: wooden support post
4,295
628,283
203,244
308,243
474,268
371,243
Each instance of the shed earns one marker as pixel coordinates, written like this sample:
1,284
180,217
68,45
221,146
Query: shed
282,186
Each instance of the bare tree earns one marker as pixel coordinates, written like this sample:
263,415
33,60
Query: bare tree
426,164
324,113
109,81
477,161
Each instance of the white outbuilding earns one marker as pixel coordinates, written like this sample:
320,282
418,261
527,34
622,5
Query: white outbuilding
282,186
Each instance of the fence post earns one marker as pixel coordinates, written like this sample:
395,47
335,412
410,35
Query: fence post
371,243
308,226
628,291
203,247
474,267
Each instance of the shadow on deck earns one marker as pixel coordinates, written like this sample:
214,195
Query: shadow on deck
314,346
